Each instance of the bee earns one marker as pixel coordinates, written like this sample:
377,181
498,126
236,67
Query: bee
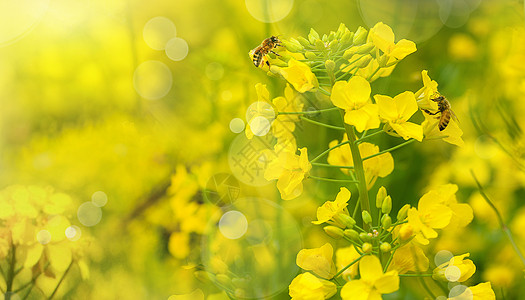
445,110
264,48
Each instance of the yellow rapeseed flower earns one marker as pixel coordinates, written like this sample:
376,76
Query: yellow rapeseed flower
404,260
354,97
331,208
345,256
373,283
482,291
430,215
289,169
457,269
383,38
300,76
397,111
308,287
318,260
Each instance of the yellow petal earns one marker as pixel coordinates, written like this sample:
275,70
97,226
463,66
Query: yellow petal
352,94
406,105
409,130
356,290
370,268
388,283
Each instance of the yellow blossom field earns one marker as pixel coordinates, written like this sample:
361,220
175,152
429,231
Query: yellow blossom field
262,149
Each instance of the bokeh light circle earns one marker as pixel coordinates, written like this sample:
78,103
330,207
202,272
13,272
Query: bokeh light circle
18,18
233,225
73,233
152,80
417,21
452,273
260,126
442,257
214,71
89,214
461,292
177,49
269,11
43,237
260,108
158,31
236,125
262,260
99,198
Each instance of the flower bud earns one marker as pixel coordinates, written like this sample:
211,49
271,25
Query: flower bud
341,30
313,36
364,49
367,218
329,65
360,36
386,222
381,194
382,60
224,280
324,38
402,213
352,234
387,205
363,61
333,44
203,276
347,37
367,248
304,42
331,36
405,232
293,45
310,55
385,247
319,45
348,221
363,236
334,231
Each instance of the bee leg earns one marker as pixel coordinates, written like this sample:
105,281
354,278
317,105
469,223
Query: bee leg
430,113
275,53
267,63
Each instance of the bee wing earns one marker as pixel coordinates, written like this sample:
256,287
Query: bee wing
454,116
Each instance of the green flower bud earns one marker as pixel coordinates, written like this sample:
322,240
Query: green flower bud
381,194
367,248
333,44
382,60
203,276
310,55
385,247
367,218
319,45
364,61
364,49
313,36
331,36
346,220
363,236
347,37
324,38
360,36
387,205
349,53
304,42
386,222
341,30
329,65
402,213
334,231
293,45
352,234
224,280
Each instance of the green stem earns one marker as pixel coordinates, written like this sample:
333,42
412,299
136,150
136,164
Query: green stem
10,274
60,281
332,166
325,91
328,150
389,150
369,136
415,275
358,169
502,224
321,124
331,179
306,112
348,266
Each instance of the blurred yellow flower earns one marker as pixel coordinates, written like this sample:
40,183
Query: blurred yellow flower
405,261
397,111
300,76
373,283
482,291
430,215
383,38
462,47
308,287
354,97
457,269
331,208
318,260
289,169
195,295
462,213
345,256
378,166
500,275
